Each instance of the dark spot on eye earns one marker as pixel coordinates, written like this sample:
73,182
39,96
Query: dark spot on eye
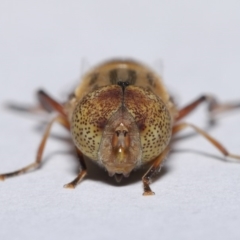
141,124
101,123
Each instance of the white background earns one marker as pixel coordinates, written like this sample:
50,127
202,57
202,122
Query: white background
48,44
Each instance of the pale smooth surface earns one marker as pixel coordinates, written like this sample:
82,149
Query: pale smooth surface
48,44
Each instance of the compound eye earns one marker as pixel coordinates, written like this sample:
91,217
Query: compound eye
91,116
152,118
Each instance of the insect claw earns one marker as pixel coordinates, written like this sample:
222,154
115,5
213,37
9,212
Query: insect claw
149,193
69,186
232,158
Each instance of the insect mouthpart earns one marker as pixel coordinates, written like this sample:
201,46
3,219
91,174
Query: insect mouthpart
118,176
121,164
120,148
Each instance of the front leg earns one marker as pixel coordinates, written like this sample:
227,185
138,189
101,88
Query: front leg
60,119
152,171
82,173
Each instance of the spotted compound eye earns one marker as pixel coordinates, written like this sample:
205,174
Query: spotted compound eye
91,116
152,118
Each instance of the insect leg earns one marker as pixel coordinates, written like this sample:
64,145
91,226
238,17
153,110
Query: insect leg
213,106
60,119
46,103
49,104
152,171
218,145
82,173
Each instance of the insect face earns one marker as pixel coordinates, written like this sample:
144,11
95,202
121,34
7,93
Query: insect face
120,149
121,127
